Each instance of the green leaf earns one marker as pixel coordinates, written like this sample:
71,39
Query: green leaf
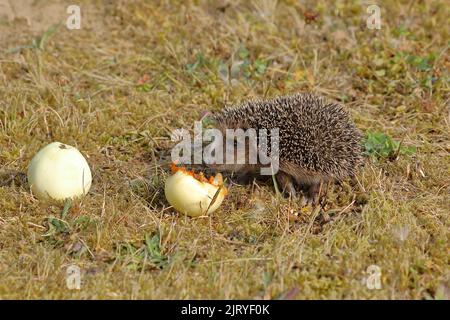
200,61
47,34
37,43
146,87
421,63
243,53
410,150
380,145
153,250
67,205
82,221
55,226
260,66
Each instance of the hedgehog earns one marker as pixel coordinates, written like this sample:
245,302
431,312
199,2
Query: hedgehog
318,141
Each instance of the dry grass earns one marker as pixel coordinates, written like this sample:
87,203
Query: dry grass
87,88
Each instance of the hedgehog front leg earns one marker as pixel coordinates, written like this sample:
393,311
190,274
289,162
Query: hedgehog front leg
313,193
286,183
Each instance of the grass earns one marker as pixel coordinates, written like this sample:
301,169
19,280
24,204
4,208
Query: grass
138,70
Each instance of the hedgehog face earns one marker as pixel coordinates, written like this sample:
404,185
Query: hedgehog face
239,153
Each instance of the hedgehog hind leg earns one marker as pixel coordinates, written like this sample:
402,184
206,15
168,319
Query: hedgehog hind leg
286,183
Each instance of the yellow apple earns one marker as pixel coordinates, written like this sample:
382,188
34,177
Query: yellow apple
59,171
190,196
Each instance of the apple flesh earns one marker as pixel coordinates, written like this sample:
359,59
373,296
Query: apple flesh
193,197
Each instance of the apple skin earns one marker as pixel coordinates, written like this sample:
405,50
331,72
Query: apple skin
190,196
59,171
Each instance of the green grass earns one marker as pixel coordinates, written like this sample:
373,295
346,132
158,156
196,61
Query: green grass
138,70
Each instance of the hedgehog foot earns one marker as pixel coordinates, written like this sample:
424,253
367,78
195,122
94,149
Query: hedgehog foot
312,194
287,184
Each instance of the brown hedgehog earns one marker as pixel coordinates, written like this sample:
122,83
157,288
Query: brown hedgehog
318,142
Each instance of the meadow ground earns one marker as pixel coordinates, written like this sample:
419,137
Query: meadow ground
137,70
